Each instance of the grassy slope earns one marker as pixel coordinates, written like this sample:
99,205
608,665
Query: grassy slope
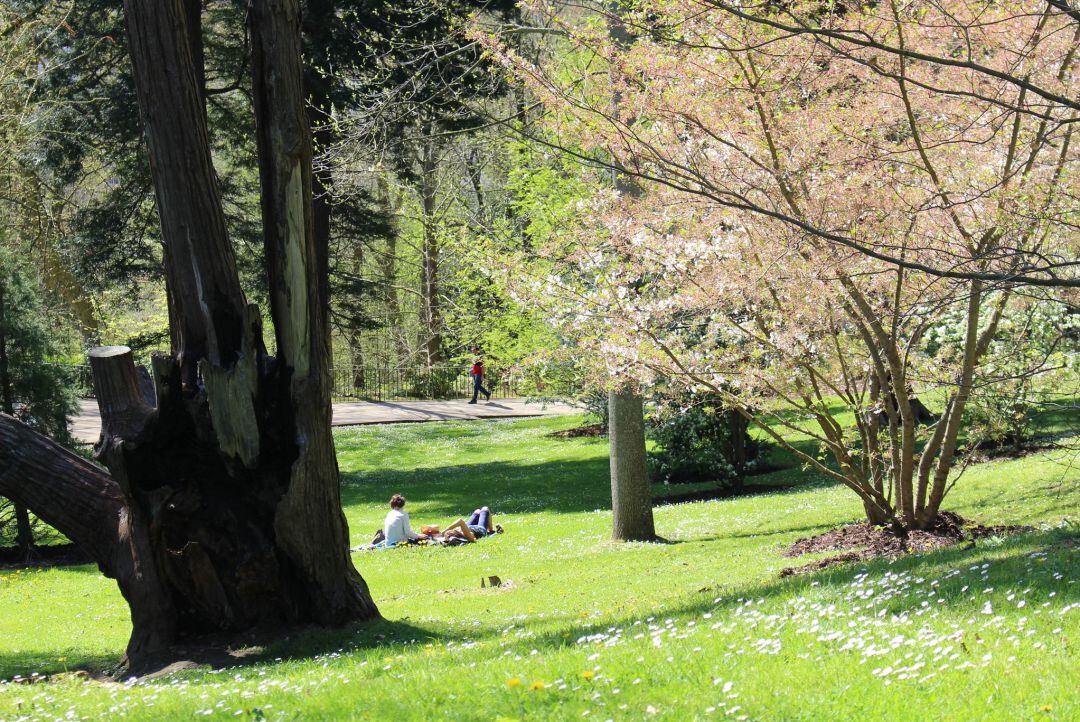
693,629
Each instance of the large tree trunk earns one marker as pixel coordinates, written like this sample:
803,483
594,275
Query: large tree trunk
631,495
310,524
226,481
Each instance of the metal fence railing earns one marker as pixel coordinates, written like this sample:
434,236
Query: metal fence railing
380,383
419,382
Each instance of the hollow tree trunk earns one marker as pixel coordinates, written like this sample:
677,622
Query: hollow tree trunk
631,495
226,479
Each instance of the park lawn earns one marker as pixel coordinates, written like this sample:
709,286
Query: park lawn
698,628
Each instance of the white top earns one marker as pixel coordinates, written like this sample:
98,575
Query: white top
396,527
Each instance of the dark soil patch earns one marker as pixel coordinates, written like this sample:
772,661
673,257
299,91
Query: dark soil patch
589,431
54,555
710,494
862,541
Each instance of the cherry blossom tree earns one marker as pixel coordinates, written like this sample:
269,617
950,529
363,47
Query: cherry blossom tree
814,203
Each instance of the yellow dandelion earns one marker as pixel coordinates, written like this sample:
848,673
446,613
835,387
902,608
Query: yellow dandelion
536,685
1045,708
588,674
513,682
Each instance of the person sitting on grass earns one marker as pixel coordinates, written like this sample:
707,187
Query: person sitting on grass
396,528
479,525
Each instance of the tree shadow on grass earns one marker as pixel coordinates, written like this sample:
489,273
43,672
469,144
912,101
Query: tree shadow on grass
570,486
31,666
506,487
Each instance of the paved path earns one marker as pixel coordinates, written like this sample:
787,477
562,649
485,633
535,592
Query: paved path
86,426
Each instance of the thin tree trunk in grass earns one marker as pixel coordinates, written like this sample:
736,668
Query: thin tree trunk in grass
631,495
24,533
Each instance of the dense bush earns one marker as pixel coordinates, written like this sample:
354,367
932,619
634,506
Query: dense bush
37,393
699,439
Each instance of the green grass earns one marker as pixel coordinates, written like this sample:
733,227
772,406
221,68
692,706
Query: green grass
697,628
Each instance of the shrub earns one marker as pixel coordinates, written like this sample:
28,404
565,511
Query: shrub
595,402
699,439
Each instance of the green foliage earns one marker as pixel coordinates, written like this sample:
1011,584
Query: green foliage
33,390
595,403
1037,348
699,439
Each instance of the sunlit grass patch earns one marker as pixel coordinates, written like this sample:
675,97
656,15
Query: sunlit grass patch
697,628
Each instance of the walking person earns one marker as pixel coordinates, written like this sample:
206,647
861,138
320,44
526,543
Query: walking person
477,373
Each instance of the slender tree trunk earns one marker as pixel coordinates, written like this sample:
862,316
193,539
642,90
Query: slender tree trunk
952,421
631,495
388,269
430,312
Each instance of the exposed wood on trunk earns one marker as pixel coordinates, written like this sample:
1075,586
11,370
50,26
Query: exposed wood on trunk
200,266
310,526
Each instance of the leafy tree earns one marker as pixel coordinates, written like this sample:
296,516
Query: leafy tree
35,392
816,205
701,438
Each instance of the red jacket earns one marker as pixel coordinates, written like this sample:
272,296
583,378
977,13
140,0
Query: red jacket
477,369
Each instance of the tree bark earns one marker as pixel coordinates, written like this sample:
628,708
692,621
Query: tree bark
201,268
631,495
225,482
310,525
431,316
64,489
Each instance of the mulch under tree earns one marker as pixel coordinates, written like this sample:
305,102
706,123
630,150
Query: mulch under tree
863,541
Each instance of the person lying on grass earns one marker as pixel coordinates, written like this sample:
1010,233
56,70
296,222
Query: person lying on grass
480,524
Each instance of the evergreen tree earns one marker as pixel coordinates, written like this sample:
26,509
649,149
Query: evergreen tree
32,390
